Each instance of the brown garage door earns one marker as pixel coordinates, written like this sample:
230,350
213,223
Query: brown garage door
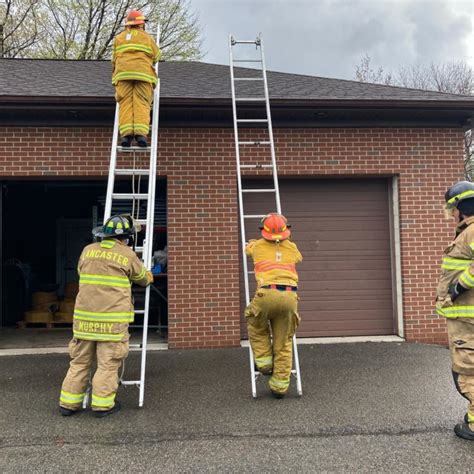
342,229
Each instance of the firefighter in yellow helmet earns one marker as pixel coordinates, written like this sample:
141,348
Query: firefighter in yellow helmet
102,313
455,297
133,75
275,302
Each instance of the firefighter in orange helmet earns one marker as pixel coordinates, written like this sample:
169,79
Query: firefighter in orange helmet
102,313
275,302
133,75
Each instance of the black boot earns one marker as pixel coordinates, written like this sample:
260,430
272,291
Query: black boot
114,409
278,395
126,141
67,411
141,141
463,431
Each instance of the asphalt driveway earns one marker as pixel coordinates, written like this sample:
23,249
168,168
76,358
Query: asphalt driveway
365,407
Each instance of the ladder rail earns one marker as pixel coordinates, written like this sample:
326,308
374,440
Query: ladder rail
112,166
270,129
239,177
148,247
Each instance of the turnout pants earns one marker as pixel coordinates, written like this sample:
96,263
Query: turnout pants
134,98
278,310
461,344
109,357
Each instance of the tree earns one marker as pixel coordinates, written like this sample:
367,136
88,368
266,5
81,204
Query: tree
85,29
451,77
19,27
365,73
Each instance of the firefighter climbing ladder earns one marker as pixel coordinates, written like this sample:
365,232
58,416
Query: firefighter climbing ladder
135,198
259,76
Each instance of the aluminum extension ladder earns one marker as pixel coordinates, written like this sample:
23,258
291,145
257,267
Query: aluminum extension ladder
270,166
138,156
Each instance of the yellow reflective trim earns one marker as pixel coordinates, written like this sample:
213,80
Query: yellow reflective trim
133,47
456,312
467,279
140,76
107,244
470,418
450,263
93,336
124,317
460,197
71,398
140,275
102,401
279,384
107,280
264,360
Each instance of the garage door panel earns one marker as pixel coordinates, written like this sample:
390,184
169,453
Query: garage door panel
351,264
364,277
342,306
342,228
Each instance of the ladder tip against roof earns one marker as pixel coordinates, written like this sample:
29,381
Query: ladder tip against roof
270,165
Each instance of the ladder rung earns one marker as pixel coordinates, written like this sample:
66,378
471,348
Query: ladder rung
256,142
128,149
127,172
254,216
252,120
138,249
248,78
250,272
247,60
234,41
130,382
256,166
250,99
140,221
258,190
139,311
125,196
133,346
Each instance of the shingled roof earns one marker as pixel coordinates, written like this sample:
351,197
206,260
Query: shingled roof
29,78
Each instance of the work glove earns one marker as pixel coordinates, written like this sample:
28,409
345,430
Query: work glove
149,276
455,290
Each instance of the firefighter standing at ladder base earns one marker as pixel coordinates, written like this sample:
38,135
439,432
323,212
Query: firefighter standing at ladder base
102,313
455,297
275,302
134,56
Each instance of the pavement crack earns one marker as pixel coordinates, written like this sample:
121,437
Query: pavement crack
156,438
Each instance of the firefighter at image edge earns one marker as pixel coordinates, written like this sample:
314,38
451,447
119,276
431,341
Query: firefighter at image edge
455,297
275,302
102,313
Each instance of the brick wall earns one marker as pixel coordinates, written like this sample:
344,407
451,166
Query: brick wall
203,239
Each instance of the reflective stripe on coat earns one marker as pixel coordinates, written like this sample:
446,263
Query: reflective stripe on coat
458,265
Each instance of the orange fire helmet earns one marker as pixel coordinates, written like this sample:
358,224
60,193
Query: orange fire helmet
135,17
275,227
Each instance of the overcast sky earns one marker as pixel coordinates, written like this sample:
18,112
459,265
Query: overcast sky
329,37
